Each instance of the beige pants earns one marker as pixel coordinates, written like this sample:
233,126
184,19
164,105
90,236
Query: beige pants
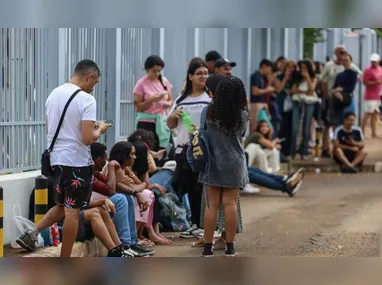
265,159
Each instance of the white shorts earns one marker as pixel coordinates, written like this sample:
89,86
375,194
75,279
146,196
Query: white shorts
371,106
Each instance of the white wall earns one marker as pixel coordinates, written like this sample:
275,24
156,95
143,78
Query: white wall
17,190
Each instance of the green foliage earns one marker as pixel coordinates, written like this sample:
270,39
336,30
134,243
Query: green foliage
379,32
311,36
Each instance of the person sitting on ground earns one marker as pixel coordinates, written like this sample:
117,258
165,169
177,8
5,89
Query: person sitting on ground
349,145
97,214
140,169
268,154
123,198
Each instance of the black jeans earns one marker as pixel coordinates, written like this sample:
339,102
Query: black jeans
286,132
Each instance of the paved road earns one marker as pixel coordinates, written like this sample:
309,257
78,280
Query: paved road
332,215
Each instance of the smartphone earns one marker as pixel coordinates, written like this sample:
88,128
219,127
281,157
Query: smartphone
282,140
109,122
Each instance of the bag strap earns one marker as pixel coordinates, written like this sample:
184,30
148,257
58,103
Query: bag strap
203,118
62,119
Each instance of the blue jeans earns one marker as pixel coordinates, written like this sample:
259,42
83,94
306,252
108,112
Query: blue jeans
263,179
124,219
351,107
296,119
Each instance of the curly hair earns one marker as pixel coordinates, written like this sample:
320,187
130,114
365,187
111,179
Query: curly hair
225,110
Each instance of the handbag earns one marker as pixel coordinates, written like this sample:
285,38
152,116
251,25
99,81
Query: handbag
46,168
346,101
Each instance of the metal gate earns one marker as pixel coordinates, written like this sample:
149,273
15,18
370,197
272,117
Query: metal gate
23,91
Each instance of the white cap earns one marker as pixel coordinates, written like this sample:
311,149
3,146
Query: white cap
375,57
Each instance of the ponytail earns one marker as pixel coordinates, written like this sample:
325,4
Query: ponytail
161,81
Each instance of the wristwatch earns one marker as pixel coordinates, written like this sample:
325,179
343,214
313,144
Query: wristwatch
136,192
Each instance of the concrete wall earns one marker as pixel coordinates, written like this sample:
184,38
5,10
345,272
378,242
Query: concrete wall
17,190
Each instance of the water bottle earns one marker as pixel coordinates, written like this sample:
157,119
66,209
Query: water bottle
187,121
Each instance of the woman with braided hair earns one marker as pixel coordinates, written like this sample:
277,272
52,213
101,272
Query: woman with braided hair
227,118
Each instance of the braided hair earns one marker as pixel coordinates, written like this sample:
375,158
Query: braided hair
225,110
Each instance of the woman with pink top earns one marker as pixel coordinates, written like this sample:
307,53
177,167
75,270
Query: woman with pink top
152,100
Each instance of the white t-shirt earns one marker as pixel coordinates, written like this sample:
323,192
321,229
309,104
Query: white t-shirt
69,150
193,106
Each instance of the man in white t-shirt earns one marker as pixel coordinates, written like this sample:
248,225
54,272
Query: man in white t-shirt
71,158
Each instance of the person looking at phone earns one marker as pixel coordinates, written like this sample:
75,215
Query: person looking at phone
152,100
349,145
192,101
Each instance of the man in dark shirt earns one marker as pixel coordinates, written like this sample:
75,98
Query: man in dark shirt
211,58
259,89
348,145
224,66
343,86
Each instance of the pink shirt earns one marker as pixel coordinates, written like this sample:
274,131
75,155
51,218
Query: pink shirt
147,88
372,74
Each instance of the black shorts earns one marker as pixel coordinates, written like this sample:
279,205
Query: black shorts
350,155
73,186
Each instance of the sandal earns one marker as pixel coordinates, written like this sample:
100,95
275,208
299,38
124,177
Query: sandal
220,247
145,243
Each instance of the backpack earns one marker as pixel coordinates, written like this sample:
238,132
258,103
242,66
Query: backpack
198,151
173,215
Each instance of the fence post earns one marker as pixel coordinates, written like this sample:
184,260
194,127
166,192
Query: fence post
1,223
40,198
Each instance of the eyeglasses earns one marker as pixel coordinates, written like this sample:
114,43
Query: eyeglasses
201,74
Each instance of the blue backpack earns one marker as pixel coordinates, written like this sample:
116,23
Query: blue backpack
198,151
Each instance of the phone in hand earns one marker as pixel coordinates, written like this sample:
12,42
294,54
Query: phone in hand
111,122
168,151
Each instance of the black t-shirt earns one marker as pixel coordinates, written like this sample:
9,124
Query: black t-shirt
342,136
258,81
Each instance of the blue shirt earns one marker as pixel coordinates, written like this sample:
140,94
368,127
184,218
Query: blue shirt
347,80
258,81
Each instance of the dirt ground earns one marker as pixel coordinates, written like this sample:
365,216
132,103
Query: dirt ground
333,215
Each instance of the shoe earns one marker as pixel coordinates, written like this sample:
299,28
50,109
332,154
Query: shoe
346,169
26,242
217,234
139,251
249,189
284,159
292,192
304,158
295,178
325,154
230,252
208,251
119,251
192,232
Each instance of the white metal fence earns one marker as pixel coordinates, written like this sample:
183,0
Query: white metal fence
34,61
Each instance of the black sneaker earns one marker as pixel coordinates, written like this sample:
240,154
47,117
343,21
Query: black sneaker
325,154
346,169
119,251
139,251
26,242
208,250
230,252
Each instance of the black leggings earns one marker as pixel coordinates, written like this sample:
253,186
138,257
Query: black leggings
186,181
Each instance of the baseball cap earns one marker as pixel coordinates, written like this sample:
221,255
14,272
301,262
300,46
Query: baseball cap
375,57
213,81
213,55
223,61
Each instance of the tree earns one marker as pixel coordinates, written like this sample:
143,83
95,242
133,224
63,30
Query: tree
311,36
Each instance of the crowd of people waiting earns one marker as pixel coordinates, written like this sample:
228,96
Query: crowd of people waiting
128,195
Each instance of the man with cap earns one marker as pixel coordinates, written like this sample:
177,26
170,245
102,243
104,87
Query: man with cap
372,79
211,58
224,66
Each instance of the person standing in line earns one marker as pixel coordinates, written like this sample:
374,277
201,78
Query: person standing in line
211,58
372,79
71,158
224,66
258,91
152,100
227,118
328,77
191,101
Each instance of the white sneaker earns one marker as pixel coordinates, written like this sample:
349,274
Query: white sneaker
217,234
249,189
